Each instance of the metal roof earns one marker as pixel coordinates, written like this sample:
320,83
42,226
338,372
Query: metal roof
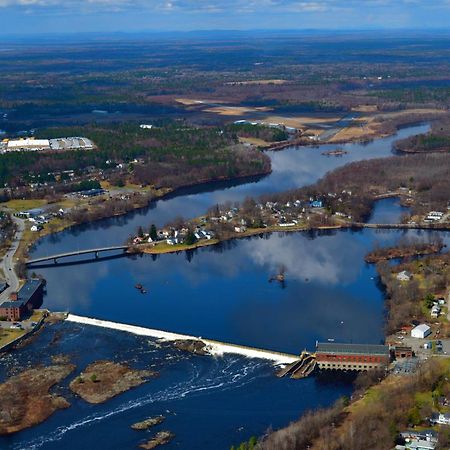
28,289
352,349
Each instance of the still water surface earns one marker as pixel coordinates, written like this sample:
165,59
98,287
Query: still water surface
220,292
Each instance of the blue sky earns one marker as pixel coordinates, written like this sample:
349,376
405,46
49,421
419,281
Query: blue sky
46,16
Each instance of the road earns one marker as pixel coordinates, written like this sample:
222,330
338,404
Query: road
7,263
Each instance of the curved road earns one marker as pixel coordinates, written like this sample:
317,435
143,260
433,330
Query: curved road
7,263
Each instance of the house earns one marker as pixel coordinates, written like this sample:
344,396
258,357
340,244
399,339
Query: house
440,419
404,276
36,227
417,444
316,204
240,229
421,331
435,311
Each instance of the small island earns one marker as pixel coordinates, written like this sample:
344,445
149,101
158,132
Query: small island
148,423
103,380
25,399
161,438
405,250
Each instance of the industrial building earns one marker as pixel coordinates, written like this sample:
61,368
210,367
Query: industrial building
29,297
357,357
27,144
31,144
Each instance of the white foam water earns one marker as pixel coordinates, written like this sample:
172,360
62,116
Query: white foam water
215,348
223,378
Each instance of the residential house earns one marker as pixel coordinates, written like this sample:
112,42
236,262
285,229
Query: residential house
435,311
440,419
404,276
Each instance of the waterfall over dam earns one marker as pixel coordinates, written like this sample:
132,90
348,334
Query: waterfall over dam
213,347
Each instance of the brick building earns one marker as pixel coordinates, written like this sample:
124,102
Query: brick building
29,297
358,357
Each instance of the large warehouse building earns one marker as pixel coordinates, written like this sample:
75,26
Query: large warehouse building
29,144
35,145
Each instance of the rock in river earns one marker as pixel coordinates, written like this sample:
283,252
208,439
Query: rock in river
161,438
25,399
194,346
147,423
103,380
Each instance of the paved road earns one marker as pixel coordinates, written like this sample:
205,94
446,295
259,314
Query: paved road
7,263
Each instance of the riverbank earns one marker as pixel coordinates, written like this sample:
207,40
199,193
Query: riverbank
403,251
162,247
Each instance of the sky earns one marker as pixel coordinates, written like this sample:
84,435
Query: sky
77,16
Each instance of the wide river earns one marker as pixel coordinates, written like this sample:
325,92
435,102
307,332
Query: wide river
222,293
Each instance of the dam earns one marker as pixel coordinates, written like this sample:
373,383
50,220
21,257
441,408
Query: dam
215,348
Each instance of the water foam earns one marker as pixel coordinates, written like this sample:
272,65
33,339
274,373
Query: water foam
215,348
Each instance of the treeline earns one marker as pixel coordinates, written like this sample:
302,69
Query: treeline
171,155
405,248
437,140
427,175
265,133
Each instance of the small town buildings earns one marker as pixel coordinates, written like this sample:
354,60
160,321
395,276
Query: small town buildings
36,227
421,331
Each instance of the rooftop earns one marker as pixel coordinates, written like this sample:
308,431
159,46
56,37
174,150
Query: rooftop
352,349
28,289
11,304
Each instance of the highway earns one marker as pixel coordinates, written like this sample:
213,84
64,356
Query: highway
7,263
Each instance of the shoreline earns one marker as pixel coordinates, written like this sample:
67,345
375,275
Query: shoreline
152,249
168,192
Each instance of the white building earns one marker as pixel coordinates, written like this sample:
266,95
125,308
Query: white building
29,144
404,276
421,331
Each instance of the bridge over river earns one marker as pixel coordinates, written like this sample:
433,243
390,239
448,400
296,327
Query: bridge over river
94,251
124,248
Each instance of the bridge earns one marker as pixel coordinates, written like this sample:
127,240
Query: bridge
401,226
94,251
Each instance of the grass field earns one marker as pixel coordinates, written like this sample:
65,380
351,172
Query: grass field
22,205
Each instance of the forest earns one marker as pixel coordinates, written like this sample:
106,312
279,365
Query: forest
171,155
437,140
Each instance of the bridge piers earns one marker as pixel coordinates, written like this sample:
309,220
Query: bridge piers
96,255
55,260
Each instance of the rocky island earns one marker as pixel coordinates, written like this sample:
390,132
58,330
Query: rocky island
25,399
103,380
161,438
148,423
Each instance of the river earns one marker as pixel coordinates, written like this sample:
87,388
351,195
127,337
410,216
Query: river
219,292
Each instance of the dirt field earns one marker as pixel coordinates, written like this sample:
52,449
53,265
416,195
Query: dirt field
236,110
235,83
